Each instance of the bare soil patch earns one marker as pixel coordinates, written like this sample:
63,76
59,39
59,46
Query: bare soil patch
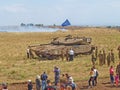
103,84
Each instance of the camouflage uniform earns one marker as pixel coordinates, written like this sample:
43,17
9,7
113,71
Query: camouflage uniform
29,53
118,52
118,70
108,59
112,56
96,52
67,55
100,55
104,57
93,58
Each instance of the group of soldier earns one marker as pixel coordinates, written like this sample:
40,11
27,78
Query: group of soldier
103,57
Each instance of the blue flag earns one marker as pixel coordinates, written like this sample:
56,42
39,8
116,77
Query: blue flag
66,23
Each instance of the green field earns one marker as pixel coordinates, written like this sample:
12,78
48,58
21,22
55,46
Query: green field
15,67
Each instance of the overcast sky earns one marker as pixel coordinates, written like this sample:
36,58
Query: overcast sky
49,12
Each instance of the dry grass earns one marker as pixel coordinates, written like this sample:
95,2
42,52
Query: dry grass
15,67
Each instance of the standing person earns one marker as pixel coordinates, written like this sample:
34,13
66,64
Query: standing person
108,59
116,80
4,86
118,52
112,56
30,85
44,80
95,75
72,85
28,52
91,79
111,75
93,58
96,52
38,83
63,82
71,54
104,57
100,55
67,77
118,69
70,79
57,74
67,55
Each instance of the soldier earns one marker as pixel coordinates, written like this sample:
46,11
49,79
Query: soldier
96,52
93,58
108,59
29,53
112,56
118,70
118,52
104,57
100,55
67,55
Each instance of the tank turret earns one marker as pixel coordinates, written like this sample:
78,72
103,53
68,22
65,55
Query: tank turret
69,40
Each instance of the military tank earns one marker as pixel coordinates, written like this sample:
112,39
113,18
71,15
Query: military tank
61,45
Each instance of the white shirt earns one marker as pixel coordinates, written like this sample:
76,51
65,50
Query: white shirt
71,52
95,70
70,79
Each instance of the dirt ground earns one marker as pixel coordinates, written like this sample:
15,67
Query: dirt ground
103,84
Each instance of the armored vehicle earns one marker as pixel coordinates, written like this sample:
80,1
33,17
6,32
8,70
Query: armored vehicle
61,45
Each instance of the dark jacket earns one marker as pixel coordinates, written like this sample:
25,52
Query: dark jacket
30,86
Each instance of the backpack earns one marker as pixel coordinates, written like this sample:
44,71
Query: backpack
97,73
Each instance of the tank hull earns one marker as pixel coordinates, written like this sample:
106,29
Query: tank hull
54,51
61,45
